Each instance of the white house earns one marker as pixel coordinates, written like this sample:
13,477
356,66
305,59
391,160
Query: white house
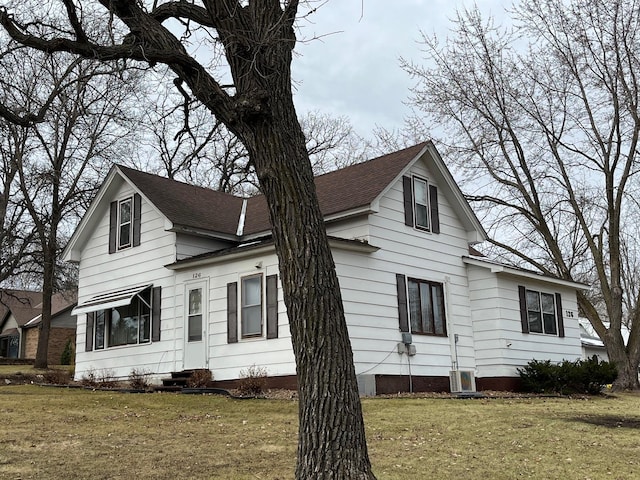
175,277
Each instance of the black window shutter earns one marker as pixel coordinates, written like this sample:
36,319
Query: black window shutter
433,205
232,312
407,193
137,209
403,312
156,308
272,306
113,227
524,317
88,344
559,315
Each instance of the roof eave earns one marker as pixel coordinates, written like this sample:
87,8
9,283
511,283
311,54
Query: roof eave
201,232
508,270
266,247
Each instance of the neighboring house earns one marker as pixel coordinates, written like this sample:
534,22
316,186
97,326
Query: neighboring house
592,344
175,277
20,315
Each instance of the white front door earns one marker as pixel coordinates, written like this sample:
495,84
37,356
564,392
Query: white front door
195,326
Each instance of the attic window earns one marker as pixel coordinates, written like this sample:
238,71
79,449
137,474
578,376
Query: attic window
421,204
124,223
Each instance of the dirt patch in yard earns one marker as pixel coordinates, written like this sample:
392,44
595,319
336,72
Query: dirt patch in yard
610,421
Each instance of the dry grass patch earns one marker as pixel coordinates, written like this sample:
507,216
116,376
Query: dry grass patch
60,433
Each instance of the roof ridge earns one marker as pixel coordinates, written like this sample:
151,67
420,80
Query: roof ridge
181,182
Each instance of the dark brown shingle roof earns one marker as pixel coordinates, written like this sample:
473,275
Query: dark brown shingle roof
204,209
342,190
188,205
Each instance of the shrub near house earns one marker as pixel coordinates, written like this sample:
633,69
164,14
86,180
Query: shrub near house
580,376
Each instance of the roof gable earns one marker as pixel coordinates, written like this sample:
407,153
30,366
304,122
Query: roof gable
352,190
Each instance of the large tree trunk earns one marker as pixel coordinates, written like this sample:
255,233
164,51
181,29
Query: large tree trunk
332,442
625,360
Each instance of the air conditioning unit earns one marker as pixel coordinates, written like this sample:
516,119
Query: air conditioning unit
462,381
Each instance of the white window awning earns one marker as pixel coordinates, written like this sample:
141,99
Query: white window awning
113,299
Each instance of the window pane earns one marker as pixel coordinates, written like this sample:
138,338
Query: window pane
547,303
123,326
422,220
427,309
438,309
195,328
535,322
252,321
549,323
145,328
125,235
99,337
533,301
420,191
125,212
195,301
414,306
251,294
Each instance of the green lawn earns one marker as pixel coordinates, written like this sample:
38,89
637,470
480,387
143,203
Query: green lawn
58,433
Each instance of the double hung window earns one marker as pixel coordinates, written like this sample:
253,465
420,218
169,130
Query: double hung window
541,313
124,223
426,307
251,306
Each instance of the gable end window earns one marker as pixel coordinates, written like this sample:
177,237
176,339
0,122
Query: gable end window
248,308
421,307
124,223
541,312
421,204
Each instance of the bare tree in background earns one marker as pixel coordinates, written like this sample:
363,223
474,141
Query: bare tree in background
258,38
179,141
58,160
16,231
544,117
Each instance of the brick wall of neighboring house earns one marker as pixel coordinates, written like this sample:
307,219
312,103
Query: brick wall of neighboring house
58,338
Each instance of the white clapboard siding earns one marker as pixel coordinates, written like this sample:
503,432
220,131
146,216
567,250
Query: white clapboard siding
102,272
501,347
352,228
191,245
368,283
226,361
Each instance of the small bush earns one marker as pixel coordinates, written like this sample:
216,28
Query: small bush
68,355
103,379
200,378
57,377
89,378
139,379
253,380
580,376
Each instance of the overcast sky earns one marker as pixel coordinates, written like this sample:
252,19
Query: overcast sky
355,72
